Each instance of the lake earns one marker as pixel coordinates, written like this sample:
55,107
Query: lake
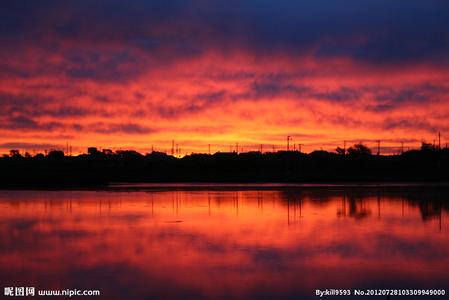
224,241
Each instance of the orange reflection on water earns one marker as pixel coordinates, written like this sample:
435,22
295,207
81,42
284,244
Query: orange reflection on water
223,244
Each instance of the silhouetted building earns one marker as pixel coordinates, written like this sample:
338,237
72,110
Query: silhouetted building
92,150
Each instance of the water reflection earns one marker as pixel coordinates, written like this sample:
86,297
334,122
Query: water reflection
233,244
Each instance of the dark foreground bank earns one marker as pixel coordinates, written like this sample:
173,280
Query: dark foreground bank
96,169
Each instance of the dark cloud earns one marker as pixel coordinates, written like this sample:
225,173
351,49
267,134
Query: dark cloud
420,125
101,65
109,128
20,122
28,124
380,31
385,97
188,104
33,105
271,88
390,98
338,95
418,93
30,146
212,96
173,112
13,102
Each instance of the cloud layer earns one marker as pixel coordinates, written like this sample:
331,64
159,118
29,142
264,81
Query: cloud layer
118,74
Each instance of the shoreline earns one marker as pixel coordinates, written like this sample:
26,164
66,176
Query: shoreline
227,186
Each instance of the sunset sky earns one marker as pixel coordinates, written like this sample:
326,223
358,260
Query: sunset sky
132,74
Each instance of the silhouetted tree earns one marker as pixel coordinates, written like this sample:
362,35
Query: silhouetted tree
14,153
359,149
340,151
128,154
107,152
55,154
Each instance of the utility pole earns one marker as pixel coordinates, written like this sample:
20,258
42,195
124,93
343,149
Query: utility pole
344,147
439,140
173,147
288,142
237,148
261,148
378,147
273,148
208,148
402,147
299,147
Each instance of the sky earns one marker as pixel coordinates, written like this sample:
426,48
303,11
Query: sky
139,74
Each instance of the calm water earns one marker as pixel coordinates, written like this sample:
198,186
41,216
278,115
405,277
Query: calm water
213,243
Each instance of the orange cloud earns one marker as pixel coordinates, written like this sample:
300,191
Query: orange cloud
222,100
